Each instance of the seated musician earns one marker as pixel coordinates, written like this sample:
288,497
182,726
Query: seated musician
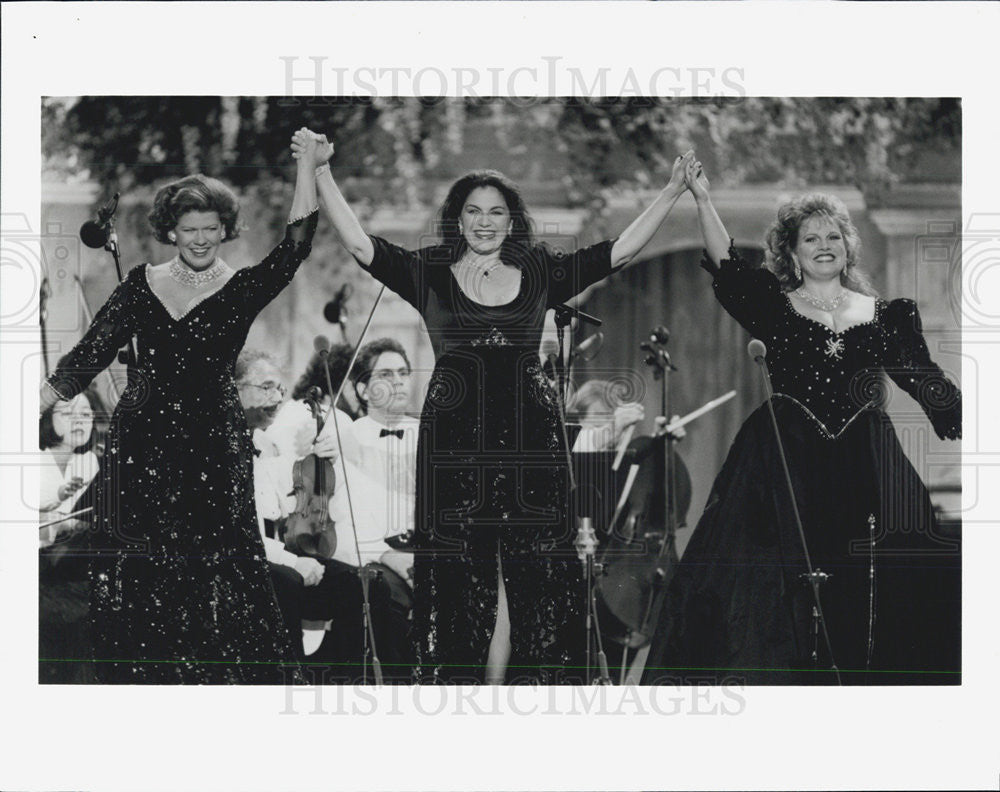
386,456
295,578
603,416
67,439
332,598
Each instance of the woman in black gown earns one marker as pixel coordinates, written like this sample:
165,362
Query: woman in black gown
179,584
738,606
497,585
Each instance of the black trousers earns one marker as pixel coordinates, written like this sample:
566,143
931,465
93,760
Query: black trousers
338,598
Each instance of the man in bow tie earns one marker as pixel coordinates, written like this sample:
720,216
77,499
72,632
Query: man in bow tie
385,458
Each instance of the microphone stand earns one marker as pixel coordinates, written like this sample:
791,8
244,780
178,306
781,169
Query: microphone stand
368,629
659,359
586,541
814,577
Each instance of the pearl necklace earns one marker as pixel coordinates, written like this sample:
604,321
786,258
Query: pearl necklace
189,277
824,305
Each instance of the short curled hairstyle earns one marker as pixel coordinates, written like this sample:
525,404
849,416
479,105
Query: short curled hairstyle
193,194
783,236
451,209
47,436
247,357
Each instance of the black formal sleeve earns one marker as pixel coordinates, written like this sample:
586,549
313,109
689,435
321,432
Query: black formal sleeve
914,371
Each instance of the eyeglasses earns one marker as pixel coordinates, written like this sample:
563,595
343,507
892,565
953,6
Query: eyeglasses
267,387
388,374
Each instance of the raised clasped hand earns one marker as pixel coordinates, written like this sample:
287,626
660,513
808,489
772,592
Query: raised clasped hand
678,183
316,149
696,180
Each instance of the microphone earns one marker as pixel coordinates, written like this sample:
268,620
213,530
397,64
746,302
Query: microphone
96,234
659,334
566,312
588,348
550,356
757,351
333,311
321,345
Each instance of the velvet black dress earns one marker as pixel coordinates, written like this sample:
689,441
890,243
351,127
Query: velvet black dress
491,469
180,591
738,607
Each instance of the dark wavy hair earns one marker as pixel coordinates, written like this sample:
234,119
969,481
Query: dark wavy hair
338,359
522,226
193,194
47,437
783,236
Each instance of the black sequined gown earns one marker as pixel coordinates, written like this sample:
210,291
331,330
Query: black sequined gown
737,607
180,586
491,474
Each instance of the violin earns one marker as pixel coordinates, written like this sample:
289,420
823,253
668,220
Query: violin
309,531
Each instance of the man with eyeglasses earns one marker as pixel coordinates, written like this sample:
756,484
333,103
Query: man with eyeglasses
296,579
384,459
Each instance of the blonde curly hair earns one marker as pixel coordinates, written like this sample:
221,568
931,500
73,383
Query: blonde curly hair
783,236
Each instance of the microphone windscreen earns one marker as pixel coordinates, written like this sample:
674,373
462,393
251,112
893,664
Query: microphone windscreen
321,344
549,347
756,349
93,235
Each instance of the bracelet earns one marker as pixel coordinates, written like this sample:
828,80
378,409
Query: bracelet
324,168
52,388
294,220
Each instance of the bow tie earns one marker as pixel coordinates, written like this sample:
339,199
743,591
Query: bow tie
397,432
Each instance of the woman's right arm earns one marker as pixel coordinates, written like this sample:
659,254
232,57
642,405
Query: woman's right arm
714,233
345,222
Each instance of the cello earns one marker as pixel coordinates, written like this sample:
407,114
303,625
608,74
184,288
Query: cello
639,555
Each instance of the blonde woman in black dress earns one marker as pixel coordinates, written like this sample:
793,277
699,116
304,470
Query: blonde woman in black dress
738,607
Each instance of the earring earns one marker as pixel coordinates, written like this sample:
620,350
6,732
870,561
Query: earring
172,236
223,234
797,270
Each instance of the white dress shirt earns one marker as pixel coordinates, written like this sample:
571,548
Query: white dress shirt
52,477
382,479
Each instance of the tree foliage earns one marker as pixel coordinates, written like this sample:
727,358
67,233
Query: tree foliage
397,151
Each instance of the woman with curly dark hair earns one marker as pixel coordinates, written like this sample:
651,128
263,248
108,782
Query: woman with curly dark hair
180,586
497,585
740,606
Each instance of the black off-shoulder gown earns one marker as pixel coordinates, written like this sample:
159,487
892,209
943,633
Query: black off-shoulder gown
180,591
738,608
491,473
